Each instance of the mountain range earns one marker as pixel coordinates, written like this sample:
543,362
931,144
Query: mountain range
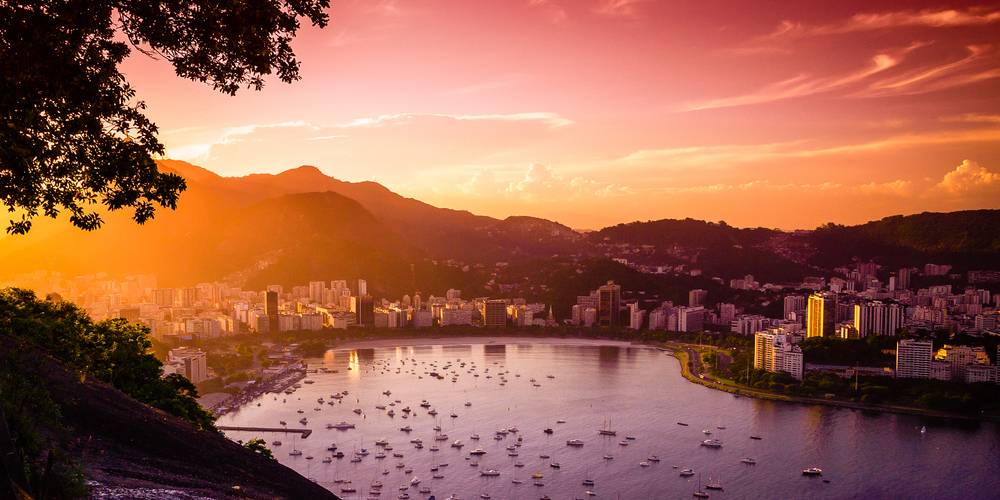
301,225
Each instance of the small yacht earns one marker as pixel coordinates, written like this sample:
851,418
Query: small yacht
406,428
712,443
687,472
478,451
812,471
343,425
643,464
489,472
574,442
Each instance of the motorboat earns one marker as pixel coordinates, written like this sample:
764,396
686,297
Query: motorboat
276,443
295,453
812,471
478,451
643,464
303,421
653,458
712,443
457,444
489,472
749,460
574,442
406,428
343,425
687,472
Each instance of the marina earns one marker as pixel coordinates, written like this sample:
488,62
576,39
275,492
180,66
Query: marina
593,385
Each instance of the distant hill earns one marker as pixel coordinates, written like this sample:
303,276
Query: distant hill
301,225
968,240
717,249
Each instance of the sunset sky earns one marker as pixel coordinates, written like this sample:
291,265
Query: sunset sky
591,113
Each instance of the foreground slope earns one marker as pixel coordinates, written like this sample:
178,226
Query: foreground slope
130,450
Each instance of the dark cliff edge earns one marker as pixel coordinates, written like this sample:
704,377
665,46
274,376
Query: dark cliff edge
130,450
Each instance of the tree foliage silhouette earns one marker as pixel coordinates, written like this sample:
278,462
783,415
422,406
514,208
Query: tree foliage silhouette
73,134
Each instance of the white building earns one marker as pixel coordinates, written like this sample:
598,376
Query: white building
189,363
690,319
775,353
913,358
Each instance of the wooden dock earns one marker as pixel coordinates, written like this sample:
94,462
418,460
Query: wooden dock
305,432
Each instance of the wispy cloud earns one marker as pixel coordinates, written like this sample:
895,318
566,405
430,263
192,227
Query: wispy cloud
798,86
936,77
730,156
888,20
503,82
619,8
553,12
540,184
552,120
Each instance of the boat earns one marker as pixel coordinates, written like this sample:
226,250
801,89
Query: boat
608,456
415,480
478,451
682,423
623,442
489,472
706,432
457,444
687,472
343,425
698,493
712,443
425,489
643,464
454,415
554,465
812,471
327,459
276,443
382,442
282,422
548,430
560,421
574,442
295,452
923,430
606,431
357,410
653,458
304,421
713,484
748,460
588,482
758,438
406,428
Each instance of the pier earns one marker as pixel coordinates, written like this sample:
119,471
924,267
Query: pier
305,432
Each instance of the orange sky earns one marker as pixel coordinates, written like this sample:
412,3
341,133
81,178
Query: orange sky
593,113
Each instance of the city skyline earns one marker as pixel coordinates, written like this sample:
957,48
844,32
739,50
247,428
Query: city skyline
593,113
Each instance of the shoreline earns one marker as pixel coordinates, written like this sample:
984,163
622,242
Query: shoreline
783,398
675,348
484,340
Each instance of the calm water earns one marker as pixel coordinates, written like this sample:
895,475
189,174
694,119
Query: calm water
643,395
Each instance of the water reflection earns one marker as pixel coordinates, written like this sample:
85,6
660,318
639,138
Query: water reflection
641,394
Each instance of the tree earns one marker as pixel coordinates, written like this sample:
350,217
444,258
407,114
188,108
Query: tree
72,134
114,351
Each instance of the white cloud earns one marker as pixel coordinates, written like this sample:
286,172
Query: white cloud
969,176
